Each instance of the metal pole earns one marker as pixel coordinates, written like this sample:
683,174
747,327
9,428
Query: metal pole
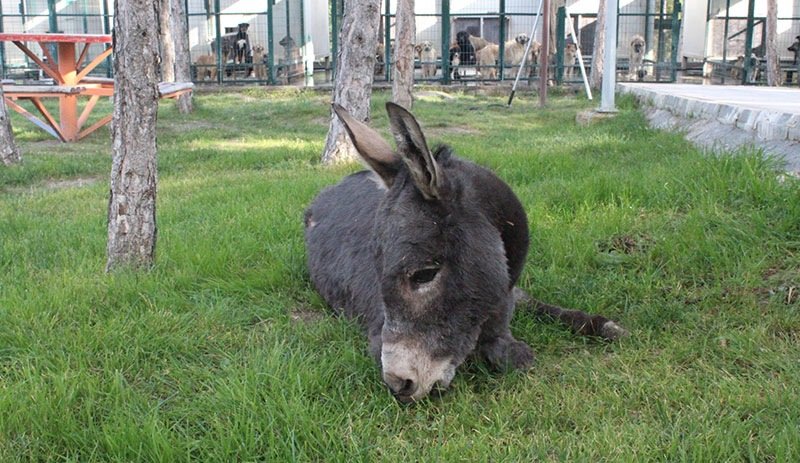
544,71
527,53
107,30
387,44
609,59
561,43
446,41
270,44
218,43
578,53
725,34
502,39
51,14
748,41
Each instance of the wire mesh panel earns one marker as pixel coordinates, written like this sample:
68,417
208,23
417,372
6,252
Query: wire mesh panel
450,35
647,40
228,40
737,40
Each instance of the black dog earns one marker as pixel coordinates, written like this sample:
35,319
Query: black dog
795,48
465,49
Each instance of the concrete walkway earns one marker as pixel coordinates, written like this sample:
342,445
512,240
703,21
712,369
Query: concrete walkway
726,117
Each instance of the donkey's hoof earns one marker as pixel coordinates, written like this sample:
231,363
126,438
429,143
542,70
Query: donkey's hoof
613,331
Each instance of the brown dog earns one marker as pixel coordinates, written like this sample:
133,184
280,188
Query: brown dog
636,58
259,62
514,51
427,56
206,65
570,58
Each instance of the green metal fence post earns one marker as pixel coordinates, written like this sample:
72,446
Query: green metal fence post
387,44
218,44
725,33
748,41
676,26
51,15
561,43
502,39
446,41
270,43
661,46
107,30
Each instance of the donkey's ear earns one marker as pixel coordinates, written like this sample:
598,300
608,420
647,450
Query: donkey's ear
413,150
374,150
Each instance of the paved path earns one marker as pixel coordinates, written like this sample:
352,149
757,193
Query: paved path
717,116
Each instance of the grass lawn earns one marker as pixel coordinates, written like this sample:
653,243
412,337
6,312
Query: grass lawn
223,352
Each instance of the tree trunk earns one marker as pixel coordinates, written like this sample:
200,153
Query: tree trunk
354,71
406,33
132,205
180,36
773,60
167,40
9,153
596,77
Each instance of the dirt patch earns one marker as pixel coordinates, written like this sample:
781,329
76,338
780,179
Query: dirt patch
624,244
52,185
306,315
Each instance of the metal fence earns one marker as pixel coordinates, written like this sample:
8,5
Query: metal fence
237,42
737,34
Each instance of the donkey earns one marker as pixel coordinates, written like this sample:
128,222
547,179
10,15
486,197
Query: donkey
424,250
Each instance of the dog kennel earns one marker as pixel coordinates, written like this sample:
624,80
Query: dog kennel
735,40
264,41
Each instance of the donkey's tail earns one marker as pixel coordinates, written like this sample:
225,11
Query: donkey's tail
580,322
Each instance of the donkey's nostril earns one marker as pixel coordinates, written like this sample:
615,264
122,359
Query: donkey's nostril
400,387
408,388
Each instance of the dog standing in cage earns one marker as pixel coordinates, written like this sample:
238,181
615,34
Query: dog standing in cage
636,58
427,57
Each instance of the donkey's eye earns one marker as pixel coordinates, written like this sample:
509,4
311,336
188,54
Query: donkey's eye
425,275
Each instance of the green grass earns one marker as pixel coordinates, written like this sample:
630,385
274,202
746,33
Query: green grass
223,352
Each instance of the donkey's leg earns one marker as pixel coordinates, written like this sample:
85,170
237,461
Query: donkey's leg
581,322
499,347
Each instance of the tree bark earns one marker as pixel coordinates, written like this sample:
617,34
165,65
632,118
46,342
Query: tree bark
773,59
9,153
596,76
406,33
354,71
132,205
180,35
167,40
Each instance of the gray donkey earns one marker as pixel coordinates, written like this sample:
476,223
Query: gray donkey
424,250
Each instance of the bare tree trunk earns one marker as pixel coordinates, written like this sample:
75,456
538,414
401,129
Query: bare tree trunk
132,205
596,77
167,41
773,60
405,36
180,36
354,71
9,153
